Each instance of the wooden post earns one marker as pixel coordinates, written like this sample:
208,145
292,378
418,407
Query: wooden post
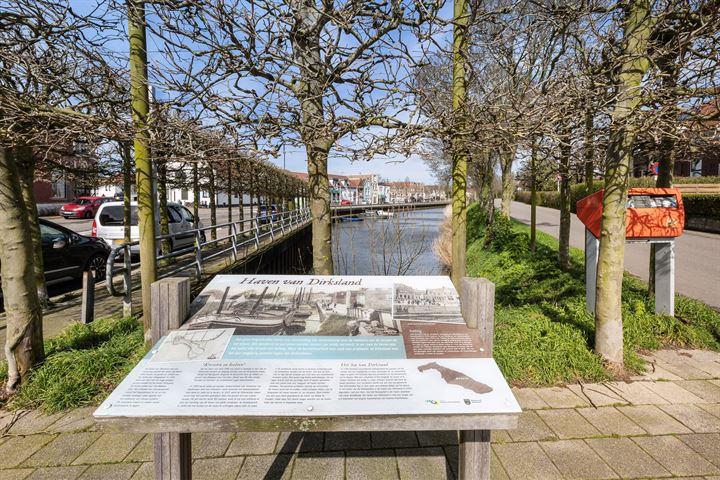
478,308
170,308
87,310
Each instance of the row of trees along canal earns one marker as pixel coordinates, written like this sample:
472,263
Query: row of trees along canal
571,88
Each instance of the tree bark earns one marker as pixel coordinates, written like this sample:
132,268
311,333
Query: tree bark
196,195
127,190
23,313
533,195
507,155
229,191
320,208
162,197
143,166
623,130
564,233
26,166
213,206
459,140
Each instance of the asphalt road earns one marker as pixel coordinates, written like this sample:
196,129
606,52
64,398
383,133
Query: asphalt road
697,254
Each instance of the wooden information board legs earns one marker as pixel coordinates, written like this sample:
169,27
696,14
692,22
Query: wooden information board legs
478,306
170,307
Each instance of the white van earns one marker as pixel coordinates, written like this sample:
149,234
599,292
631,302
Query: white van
108,225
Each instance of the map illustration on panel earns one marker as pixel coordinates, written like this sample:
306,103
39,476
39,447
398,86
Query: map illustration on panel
453,377
188,345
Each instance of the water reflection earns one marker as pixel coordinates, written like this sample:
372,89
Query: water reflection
399,245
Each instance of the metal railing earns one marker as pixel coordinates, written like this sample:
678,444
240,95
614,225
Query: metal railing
240,234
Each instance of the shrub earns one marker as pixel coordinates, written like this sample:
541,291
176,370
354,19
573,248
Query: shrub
702,206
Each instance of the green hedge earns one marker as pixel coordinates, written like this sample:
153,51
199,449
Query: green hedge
697,205
650,181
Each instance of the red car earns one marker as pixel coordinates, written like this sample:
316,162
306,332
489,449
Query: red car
346,202
83,207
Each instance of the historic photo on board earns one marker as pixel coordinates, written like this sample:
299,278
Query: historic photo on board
261,306
434,301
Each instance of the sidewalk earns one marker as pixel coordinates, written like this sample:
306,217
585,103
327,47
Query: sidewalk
664,424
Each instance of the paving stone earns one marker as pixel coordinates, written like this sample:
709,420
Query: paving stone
371,465
653,420
393,439
16,473
526,460
118,471
531,427
206,445
685,364
703,356
609,421
437,438
77,420
57,473
567,423
676,456
712,408
702,388
318,466
673,393
706,444
528,399
252,443
496,470
145,472
216,468
109,448
143,451
626,458
683,369
30,422
654,372
63,450
5,419
299,442
598,395
275,467
636,393
575,459
500,436
15,450
347,441
560,397
694,417
423,463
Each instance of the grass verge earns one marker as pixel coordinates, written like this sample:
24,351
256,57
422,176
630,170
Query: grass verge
543,335
82,364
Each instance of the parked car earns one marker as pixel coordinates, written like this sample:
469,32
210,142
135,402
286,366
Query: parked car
69,254
346,202
108,225
265,213
83,207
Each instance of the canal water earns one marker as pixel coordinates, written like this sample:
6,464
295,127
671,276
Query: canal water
399,245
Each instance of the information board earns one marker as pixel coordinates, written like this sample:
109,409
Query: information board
264,345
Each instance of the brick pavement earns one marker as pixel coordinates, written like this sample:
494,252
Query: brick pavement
665,424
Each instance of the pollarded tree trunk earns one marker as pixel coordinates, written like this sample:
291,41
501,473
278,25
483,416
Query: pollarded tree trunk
229,191
459,141
589,147
213,207
23,314
507,155
162,197
320,208
143,167
564,234
26,166
623,130
127,190
533,195
196,195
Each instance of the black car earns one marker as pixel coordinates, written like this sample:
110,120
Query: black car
68,254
